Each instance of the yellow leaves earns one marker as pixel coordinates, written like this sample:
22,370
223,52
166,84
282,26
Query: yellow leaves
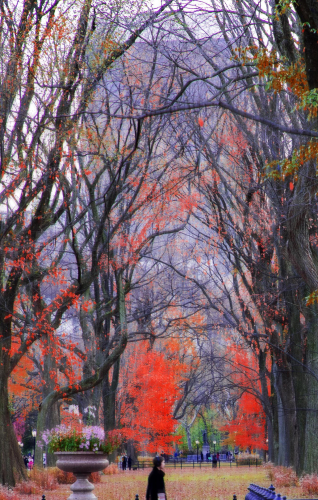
280,169
279,76
245,54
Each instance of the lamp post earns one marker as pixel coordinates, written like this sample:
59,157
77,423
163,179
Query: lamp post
214,443
34,435
266,450
197,443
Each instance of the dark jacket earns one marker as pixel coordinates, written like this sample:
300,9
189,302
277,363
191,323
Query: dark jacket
156,484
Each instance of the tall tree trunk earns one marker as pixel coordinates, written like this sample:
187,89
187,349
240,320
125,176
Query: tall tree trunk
12,468
289,373
52,417
109,398
270,436
187,429
109,390
286,414
275,444
297,351
266,402
131,450
89,398
311,388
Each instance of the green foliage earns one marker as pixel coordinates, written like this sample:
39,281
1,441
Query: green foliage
309,102
312,298
281,169
282,6
71,442
210,421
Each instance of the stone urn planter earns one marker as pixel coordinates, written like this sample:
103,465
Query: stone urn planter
81,463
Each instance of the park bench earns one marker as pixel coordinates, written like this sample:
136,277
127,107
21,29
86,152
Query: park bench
256,492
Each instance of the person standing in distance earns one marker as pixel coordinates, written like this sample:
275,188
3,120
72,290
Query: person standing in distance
156,485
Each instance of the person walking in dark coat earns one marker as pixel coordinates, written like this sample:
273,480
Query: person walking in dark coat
156,485
129,462
124,462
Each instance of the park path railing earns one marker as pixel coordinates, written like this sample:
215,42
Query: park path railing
181,464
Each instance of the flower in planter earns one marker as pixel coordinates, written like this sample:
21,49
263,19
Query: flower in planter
90,411
84,438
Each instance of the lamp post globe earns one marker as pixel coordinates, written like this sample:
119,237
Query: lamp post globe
34,436
197,443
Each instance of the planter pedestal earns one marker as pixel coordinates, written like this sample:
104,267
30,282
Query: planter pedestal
82,489
81,464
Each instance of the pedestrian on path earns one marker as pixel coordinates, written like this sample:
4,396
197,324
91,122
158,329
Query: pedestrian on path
156,485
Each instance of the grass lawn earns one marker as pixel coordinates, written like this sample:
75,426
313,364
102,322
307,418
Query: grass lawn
185,484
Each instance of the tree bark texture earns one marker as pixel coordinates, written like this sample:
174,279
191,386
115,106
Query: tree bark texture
286,409
311,390
12,468
109,398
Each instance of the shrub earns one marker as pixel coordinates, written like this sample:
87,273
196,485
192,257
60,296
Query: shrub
269,467
27,488
7,494
309,484
143,459
62,477
248,459
94,477
249,455
44,478
111,469
282,476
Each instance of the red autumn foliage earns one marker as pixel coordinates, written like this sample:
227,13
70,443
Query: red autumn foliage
149,396
247,428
